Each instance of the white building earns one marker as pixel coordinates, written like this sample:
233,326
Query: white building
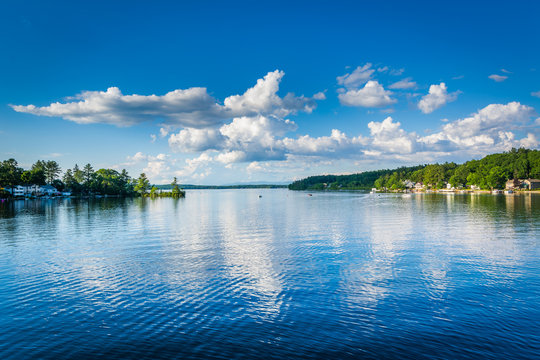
48,190
15,190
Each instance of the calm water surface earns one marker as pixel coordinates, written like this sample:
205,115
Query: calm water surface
226,274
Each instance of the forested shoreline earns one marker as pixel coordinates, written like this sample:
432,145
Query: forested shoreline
78,181
490,172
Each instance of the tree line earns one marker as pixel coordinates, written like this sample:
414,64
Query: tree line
490,172
83,181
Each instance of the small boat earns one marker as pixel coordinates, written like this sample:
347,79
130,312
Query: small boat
509,191
495,192
309,194
260,196
373,191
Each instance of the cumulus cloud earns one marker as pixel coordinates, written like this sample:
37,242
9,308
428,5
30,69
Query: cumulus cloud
256,139
337,143
358,77
403,84
263,99
319,96
193,140
490,129
390,138
196,168
372,94
193,107
261,140
163,132
437,97
498,78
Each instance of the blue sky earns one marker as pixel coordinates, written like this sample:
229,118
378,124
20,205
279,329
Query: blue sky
375,85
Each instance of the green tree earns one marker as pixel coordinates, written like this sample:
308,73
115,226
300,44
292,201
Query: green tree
474,179
58,184
70,182
88,173
52,171
39,165
10,172
78,174
37,177
142,184
26,177
176,191
496,177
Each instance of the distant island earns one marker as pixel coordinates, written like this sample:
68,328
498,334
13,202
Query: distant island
512,170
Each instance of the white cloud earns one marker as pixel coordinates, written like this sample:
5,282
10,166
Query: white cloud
196,168
403,84
231,157
358,77
163,132
193,140
319,96
388,136
536,94
259,140
506,71
254,136
263,99
497,78
337,143
529,142
193,107
254,166
372,94
490,129
256,139
438,96
153,138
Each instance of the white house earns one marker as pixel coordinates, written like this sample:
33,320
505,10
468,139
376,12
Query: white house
408,184
15,190
48,190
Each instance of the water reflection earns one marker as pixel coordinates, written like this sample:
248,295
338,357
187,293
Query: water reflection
283,274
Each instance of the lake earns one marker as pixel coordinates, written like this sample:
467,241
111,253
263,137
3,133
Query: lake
228,274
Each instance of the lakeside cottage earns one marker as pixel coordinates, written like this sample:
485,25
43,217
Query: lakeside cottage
419,186
34,190
516,184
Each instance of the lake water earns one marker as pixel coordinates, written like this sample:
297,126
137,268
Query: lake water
226,274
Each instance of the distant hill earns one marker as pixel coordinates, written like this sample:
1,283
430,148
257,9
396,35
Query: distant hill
492,171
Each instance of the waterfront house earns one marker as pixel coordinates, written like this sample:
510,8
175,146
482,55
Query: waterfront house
48,190
513,184
15,190
531,184
408,184
32,189
419,186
